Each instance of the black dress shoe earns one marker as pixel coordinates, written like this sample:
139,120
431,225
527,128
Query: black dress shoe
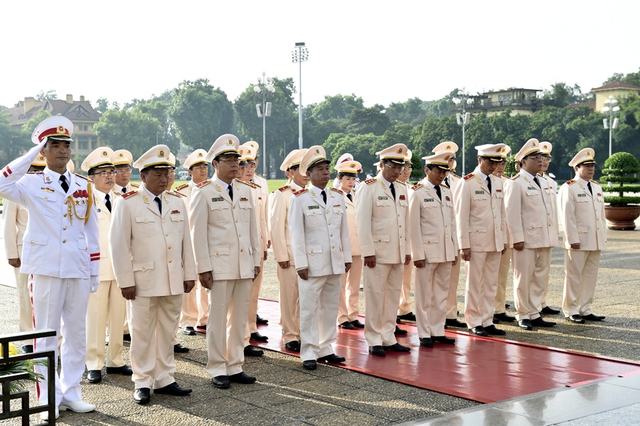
397,347
400,332
189,331
179,349
347,325
173,389
202,329
251,351
221,382
293,346
503,317
257,337
539,322
309,364
443,339
142,396
242,378
426,342
377,350
478,331
525,324
332,359
261,321
127,338
26,349
493,331
125,370
94,376
575,318
548,310
453,322
592,317
407,317
357,324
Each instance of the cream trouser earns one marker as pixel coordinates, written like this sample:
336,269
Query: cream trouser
289,303
106,307
432,289
530,275
405,294
580,279
350,294
382,286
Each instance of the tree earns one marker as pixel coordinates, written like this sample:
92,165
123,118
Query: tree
368,120
13,141
632,78
413,111
362,147
337,107
102,105
561,95
50,94
129,129
158,107
200,113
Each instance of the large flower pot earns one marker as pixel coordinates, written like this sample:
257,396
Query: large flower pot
622,218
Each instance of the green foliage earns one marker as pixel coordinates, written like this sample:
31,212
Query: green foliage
621,168
413,111
368,120
631,78
13,141
337,107
49,94
129,129
362,147
18,367
158,107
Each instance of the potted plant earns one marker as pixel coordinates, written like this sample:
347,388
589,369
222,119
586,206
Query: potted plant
624,207
8,367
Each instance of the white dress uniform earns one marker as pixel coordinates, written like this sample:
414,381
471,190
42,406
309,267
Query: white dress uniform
530,220
151,251
582,213
15,219
383,232
481,223
226,243
432,224
322,247
61,253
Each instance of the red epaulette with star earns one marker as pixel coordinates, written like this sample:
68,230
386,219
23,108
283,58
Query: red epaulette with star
339,191
203,183
181,187
302,191
469,176
129,194
418,186
370,181
515,177
570,182
284,188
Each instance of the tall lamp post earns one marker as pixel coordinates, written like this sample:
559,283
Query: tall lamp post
300,55
611,107
264,110
463,119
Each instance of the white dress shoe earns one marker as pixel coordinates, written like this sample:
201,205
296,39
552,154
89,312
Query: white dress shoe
77,406
45,415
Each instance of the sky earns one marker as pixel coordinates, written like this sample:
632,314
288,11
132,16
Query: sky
383,52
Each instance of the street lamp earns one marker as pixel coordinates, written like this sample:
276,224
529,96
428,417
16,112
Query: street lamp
264,110
612,108
300,55
463,119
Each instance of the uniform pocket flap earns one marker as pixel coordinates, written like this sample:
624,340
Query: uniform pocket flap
219,251
144,219
381,238
478,230
534,225
314,250
218,206
142,266
47,196
312,212
38,240
177,217
430,240
383,203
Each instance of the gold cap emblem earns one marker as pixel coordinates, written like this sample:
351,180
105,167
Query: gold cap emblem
104,154
200,155
121,155
318,151
161,153
61,129
230,142
400,150
353,166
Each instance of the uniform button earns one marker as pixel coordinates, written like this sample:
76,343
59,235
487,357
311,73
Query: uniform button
31,242
447,236
217,253
496,226
46,198
169,248
333,247
236,221
234,207
64,241
327,211
378,241
400,226
170,260
144,268
162,220
166,235
65,215
311,251
398,215
331,235
241,250
400,236
239,235
329,223
64,228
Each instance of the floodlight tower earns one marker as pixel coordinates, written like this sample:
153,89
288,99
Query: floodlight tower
611,107
463,119
264,110
300,55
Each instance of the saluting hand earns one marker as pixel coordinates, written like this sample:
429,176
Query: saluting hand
188,286
206,279
129,293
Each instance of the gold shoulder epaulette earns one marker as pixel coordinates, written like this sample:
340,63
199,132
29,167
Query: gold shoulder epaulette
454,175
203,183
469,176
284,188
403,183
255,185
83,177
570,182
302,191
515,177
129,194
249,184
176,194
370,181
595,181
418,186
339,191
183,186
135,185
116,193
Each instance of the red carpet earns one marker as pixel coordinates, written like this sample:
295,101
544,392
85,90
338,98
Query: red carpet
476,368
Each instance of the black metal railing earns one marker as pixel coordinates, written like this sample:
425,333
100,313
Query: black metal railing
25,411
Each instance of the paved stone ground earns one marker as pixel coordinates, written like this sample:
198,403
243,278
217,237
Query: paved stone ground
287,394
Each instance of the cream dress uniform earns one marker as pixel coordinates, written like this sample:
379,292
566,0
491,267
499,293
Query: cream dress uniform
349,306
151,251
503,271
321,247
383,232
582,213
481,223
61,253
530,220
551,192
226,243
279,203
106,306
432,224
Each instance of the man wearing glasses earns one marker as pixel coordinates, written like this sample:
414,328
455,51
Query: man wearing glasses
382,207
122,162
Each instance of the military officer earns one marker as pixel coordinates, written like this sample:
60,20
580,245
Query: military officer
434,248
585,236
342,159
404,309
195,304
61,254
227,248
122,162
552,186
279,203
349,307
533,233
322,254
154,266
382,209
480,220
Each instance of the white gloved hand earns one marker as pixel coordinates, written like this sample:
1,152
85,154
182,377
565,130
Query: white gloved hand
93,282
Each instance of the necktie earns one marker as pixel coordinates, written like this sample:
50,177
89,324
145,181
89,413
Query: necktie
489,183
157,200
63,183
324,196
350,197
124,189
230,190
446,181
393,190
437,187
535,179
589,186
107,202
